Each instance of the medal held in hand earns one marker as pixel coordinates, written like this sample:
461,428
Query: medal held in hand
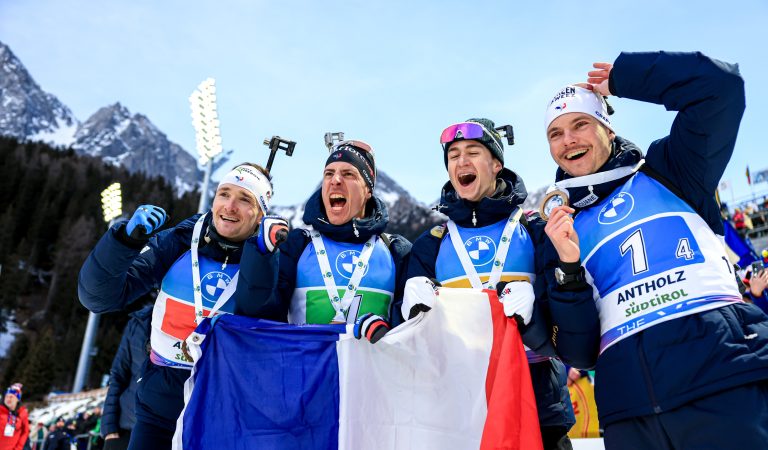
551,201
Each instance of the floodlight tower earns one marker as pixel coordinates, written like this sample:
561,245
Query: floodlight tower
112,206
207,133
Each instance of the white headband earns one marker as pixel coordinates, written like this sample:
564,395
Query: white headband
253,181
571,99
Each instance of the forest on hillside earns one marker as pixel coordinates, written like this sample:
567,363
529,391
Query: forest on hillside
50,219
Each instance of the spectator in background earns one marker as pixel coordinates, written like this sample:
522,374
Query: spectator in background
13,417
82,429
757,283
119,406
739,222
71,429
59,438
37,437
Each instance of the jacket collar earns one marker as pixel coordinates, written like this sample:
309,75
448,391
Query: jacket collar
510,193
623,153
354,231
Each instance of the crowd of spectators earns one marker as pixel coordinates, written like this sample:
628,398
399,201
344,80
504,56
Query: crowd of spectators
750,219
81,431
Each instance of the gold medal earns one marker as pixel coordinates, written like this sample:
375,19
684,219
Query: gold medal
551,201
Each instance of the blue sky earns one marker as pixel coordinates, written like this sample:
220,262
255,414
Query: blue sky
392,73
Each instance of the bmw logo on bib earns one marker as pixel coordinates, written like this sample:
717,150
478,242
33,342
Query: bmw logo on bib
213,284
617,208
346,262
481,250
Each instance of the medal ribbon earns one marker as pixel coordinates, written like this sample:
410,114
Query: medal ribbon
330,283
228,291
501,253
597,178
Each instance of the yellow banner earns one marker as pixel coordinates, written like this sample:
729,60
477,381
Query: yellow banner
585,410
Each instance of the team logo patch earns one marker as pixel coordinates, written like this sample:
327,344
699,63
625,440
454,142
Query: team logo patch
481,250
617,208
346,262
213,284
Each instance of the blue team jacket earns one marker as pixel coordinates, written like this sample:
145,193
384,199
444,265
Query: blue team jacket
548,377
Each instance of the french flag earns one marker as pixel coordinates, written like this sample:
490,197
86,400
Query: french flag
455,377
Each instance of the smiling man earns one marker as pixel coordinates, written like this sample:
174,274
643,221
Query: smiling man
682,362
483,201
192,265
346,240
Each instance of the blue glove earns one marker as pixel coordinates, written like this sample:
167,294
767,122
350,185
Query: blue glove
145,222
371,326
273,231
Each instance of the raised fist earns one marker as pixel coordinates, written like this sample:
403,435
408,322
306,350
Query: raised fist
145,222
273,231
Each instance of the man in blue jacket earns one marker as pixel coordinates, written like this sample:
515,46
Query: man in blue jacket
344,268
192,265
682,360
489,244
119,414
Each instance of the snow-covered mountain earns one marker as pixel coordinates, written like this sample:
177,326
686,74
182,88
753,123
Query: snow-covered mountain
133,142
112,133
28,112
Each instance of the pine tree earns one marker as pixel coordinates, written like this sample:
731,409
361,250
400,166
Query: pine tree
38,368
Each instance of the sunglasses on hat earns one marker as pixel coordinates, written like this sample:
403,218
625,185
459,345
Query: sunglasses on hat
352,143
463,130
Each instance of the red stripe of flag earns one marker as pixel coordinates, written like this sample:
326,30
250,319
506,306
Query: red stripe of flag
512,421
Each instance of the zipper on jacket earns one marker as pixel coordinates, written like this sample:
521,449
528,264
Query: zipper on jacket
647,375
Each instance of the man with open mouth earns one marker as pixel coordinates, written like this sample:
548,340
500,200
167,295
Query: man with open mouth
681,361
342,268
192,265
489,244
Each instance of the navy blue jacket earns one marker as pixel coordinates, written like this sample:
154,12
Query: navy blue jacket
549,377
374,223
675,362
117,273
120,404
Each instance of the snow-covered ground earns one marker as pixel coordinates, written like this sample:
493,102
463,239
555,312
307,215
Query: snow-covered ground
7,338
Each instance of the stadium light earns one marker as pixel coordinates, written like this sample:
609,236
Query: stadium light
205,120
112,208
112,202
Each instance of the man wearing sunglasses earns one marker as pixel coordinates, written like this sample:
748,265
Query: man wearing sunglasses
345,240
682,362
487,245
